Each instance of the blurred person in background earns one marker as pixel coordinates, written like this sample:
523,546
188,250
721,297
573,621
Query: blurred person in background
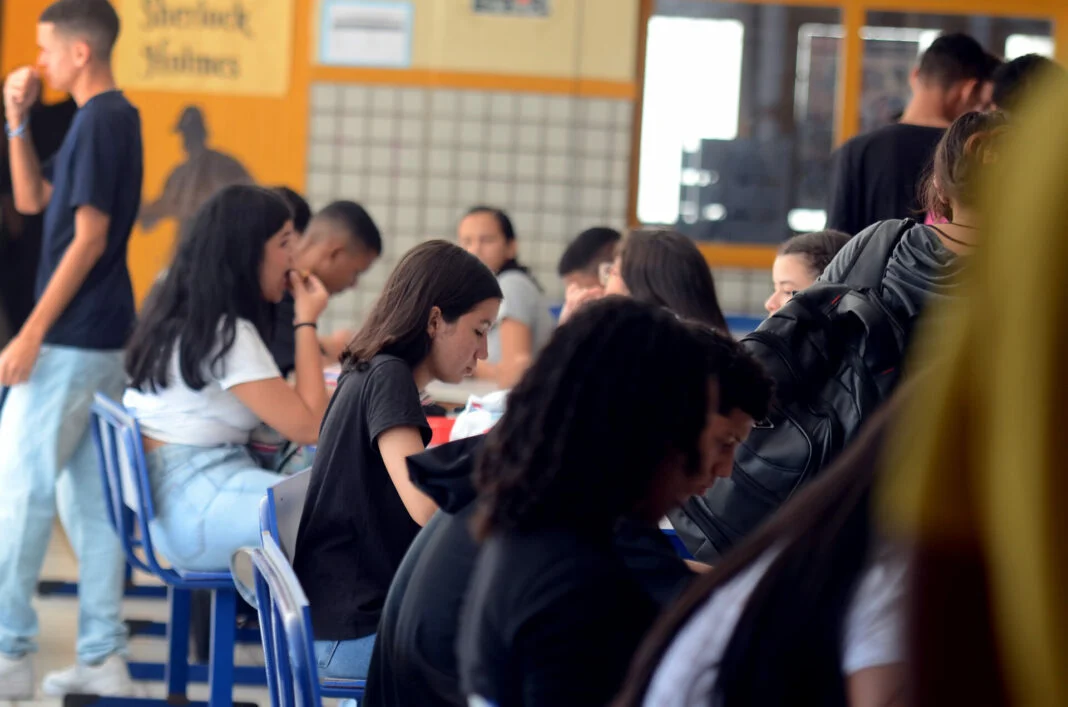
658,267
799,263
525,323
875,177
581,263
1017,80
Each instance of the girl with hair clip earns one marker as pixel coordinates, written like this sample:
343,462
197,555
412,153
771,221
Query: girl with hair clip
362,510
799,263
925,263
552,615
809,610
664,268
525,322
202,378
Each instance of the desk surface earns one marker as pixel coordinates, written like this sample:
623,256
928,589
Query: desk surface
458,393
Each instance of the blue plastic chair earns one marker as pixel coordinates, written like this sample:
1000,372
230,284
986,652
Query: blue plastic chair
280,512
285,621
740,325
676,541
130,509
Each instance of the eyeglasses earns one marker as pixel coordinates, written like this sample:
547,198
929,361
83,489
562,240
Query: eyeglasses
605,271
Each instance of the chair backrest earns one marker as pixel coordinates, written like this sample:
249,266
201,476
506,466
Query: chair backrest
281,510
285,624
124,474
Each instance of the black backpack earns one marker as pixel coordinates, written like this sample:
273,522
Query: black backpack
835,352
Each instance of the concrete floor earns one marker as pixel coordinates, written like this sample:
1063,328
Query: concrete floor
58,617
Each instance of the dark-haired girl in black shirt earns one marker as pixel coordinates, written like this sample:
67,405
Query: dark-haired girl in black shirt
552,615
362,510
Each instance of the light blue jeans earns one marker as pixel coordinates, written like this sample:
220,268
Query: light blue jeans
345,660
48,461
207,503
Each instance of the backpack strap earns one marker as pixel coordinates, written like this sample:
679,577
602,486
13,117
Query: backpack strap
869,264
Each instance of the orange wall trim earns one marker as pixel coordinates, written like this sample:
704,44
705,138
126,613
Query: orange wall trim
730,255
429,78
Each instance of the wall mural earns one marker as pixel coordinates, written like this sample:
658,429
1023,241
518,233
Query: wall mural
203,173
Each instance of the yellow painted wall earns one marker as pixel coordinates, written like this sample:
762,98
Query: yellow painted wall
581,38
594,40
268,135
591,39
587,47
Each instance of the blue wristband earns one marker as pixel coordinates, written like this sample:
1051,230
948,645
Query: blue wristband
17,131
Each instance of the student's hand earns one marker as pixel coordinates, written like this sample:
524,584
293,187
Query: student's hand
309,297
576,297
20,92
18,359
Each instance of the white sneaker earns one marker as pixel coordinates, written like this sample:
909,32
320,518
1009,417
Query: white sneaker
111,678
16,678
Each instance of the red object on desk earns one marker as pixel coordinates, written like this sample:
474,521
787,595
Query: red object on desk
442,428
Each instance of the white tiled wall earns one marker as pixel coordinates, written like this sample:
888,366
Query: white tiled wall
418,158
742,291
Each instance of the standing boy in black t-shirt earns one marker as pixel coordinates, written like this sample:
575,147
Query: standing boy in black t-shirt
875,176
69,348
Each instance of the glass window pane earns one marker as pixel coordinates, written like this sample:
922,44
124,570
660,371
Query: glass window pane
737,118
1017,45
893,41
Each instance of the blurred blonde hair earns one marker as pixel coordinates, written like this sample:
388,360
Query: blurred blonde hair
979,463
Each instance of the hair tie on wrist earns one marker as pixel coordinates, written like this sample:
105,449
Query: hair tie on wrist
313,325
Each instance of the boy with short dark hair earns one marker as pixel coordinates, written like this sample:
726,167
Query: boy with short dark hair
875,177
581,262
340,243
69,348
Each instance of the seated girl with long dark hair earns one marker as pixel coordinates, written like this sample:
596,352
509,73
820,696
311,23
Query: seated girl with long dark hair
362,510
552,614
202,377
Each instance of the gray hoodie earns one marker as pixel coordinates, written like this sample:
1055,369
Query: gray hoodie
920,269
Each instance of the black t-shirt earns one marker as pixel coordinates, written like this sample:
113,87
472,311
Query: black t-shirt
551,618
99,164
652,560
283,343
878,176
414,660
355,529
414,657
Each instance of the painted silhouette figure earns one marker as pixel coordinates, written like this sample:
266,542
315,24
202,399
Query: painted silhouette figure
204,172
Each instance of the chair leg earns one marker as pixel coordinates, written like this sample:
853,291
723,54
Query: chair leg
177,671
223,635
